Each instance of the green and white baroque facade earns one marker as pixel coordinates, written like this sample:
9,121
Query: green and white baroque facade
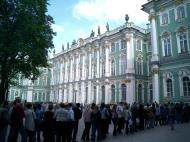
170,24
126,64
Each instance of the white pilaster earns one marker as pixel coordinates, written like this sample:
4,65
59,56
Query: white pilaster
90,65
155,58
60,95
29,94
107,59
98,64
107,94
61,73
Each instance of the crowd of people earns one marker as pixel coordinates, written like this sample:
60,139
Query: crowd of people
59,123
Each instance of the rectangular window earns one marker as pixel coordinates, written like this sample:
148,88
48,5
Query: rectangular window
167,46
113,47
123,44
180,12
103,70
183,43
138,45
164,18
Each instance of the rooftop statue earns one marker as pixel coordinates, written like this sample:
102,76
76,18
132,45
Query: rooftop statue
62,47
92,34
67,45
99,30
107,27
126,18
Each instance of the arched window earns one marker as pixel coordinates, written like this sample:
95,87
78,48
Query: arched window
186,86
112,93
139,66
169,87
103,94
113,68
123,92
138,45
123,64
140,92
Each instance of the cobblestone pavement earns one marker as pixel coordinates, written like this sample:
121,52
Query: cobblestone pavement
181,133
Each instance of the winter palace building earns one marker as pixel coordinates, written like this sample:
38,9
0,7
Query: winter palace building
128,64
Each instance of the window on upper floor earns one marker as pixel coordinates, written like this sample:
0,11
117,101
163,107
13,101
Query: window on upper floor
95,71
164,19
182,40
95,53
139,66
139,45
103,50
166,44
113,68
103,69
113,47
123,44
123,64
180,12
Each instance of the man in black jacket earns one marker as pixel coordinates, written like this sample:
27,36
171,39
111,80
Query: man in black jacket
77,116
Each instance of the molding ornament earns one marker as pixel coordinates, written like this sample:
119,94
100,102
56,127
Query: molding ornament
155,71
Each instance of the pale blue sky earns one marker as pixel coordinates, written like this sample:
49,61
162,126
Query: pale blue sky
76,18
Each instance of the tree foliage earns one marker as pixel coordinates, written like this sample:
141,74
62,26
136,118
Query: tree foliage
25,39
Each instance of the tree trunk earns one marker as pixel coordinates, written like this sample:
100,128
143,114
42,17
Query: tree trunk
3,87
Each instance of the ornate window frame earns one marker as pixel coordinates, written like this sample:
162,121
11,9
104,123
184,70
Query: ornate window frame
163,21
182,31
165,36
183,73
166,76
177,18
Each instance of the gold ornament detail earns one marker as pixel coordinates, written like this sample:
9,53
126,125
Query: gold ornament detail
155,71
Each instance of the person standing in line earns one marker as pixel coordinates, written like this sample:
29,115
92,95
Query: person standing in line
16,122
96,123
30,123
4,121
77,116
114,119
171,115
48,128
87,121
70,122
61,117
39,119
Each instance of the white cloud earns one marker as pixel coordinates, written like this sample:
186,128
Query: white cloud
57,28
102,11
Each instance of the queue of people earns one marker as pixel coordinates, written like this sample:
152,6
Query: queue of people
59,123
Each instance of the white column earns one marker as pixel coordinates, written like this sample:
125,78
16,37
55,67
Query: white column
89,92
61,73
77,68
83,92
60,95
130,54
90,66
107,94
83,67
131,91
155,59
29,94
107,59
98,64
98,94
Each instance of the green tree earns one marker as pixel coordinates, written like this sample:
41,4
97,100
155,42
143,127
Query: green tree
25,40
